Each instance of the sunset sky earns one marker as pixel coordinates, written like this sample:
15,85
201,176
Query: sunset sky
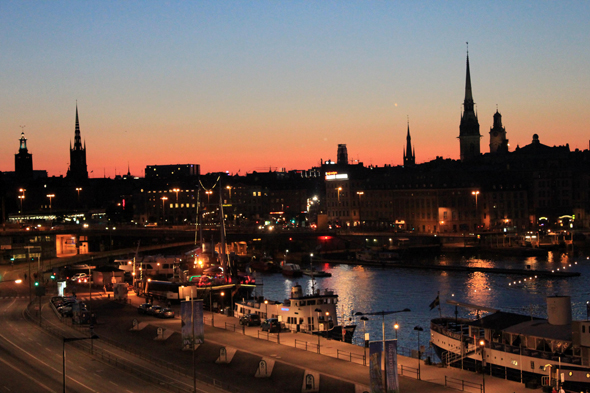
252,86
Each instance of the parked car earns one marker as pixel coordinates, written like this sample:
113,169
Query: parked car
153,310
250,320
271,325
164,313
79,277
143,308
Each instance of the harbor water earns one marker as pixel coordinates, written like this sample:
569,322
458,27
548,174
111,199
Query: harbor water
370,289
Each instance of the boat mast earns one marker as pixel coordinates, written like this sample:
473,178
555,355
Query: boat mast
223,256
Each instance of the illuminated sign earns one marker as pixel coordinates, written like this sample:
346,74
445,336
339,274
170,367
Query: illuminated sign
284,309
336,176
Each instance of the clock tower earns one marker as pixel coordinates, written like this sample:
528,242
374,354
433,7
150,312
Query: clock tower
498,141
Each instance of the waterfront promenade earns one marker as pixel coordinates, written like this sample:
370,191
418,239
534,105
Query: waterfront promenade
338,363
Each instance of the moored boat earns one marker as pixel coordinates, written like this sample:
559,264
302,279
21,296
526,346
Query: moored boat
518,347
291,270
314,313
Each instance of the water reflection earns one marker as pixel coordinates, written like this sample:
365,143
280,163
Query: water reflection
372,289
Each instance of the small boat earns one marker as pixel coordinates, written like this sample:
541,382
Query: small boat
315,273
264,264
291,270
314,313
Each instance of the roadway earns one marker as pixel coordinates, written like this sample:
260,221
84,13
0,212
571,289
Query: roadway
31,357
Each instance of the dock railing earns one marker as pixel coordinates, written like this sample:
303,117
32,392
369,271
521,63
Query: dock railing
464,386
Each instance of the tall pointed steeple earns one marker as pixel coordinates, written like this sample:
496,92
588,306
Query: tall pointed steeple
77,138
469,137
409,156
78,169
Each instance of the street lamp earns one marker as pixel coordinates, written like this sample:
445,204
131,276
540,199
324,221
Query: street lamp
360,193
266,309
176,191
50,196
208,192
365,319
482,344
229,188
419,329
78,189
339,189
383,314
396,326
319,311
21,197
476,193
164,199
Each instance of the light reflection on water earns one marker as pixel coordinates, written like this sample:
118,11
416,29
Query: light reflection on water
371,289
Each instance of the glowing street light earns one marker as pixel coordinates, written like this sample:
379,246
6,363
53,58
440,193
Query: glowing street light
360,194
164,199
21,198
176,190
339,189
78,189
208,192
396,326
50,196
383,314
482,344
229,188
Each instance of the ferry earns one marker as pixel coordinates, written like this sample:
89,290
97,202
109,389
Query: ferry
534,351
314,313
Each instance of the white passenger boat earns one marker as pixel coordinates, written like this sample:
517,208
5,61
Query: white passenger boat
518,347
314,313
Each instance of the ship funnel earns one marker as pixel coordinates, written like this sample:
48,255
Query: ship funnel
296,292
559,310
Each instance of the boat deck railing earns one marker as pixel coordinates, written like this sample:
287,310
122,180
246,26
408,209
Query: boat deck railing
455,330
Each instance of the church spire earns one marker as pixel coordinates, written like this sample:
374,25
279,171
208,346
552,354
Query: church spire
77,139
409,156
468,102
469,128
78,169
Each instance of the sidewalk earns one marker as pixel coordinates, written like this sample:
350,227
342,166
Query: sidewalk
407,366
336,359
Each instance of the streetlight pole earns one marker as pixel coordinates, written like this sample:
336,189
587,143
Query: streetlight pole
420,329
50,196
22,198
176,191
339,189
482,344
318,322
396,326
78,189
266,309
383,314
164,199
360,193
476,193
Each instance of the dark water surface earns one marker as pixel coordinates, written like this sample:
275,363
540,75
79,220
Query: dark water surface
371,289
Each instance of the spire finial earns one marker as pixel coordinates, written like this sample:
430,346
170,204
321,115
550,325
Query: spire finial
467,43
